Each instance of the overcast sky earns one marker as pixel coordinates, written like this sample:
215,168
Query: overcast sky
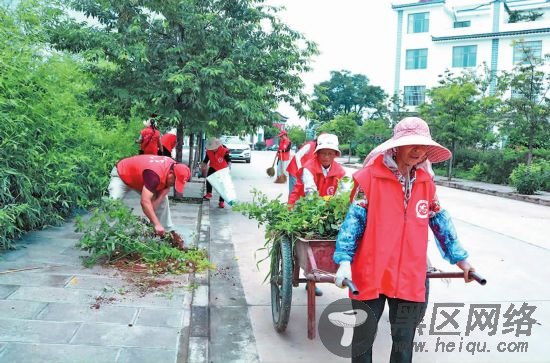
354,35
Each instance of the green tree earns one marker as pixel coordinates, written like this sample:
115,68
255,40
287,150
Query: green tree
219,67
528,109
297,135
346,94
343,126
370,134
453,113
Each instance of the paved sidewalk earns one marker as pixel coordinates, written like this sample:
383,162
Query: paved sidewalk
56,310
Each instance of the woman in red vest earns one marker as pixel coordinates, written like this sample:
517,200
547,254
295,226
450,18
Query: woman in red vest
149,138
168,141
386,252
217,157
321,173
306,153
283,154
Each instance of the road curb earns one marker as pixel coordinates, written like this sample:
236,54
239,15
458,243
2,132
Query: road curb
515,196
470,188
195,348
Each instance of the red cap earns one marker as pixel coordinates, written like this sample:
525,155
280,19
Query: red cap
183,174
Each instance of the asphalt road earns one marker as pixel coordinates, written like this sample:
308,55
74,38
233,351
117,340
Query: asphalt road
505,321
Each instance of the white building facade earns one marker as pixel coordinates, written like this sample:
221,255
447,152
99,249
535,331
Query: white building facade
435,35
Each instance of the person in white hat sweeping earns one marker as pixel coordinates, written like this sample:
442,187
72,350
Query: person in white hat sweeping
320,174
383,241
217,157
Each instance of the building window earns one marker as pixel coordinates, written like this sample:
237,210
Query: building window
419,23
464,56
462,24
525,50
414,95
417,59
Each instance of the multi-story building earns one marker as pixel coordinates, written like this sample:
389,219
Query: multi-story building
435,35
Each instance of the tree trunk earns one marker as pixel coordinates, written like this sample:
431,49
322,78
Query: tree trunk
450,166
349,155
191,149
179,152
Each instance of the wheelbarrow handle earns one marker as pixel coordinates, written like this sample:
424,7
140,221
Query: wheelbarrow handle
351,286
450,275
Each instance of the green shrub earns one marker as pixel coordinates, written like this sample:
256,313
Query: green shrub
527,179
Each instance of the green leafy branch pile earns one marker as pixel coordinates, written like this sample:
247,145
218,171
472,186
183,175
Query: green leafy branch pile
313,217
114,235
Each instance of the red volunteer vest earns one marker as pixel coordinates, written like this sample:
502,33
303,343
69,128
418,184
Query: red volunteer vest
217,157
131,170
150,140
283,145
325,185
168,141
292,167
391,257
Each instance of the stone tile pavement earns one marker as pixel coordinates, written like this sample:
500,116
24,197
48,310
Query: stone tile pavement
52,309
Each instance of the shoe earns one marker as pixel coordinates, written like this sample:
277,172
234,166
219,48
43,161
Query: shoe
221,204
207,196
177,241
318,291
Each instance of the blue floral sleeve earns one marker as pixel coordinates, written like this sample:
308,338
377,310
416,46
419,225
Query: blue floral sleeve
351,231
446,238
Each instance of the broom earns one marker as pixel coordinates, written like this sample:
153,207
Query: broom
271,171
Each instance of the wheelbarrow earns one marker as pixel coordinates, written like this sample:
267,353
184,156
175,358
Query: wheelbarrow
314,257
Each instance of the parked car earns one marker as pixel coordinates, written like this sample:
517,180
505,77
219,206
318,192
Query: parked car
239,149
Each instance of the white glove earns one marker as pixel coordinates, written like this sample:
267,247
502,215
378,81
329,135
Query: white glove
344,272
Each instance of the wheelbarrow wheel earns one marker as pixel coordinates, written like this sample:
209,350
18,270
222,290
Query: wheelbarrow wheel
281,284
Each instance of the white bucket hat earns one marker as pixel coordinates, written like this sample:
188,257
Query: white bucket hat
213,143
411,131
327,141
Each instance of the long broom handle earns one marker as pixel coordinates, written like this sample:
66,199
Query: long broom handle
274,160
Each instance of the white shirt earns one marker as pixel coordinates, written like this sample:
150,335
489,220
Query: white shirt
309,181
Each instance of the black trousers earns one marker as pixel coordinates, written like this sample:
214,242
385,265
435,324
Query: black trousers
208,185
404,318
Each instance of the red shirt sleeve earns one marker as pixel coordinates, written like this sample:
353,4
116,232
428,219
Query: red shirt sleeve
151,180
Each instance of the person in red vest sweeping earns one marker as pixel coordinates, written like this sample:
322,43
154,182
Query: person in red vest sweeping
383,241
168,141
149,138
283,154
217,157
152,177
321,174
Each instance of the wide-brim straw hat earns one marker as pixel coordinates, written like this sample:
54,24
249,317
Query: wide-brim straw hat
412,131
213,143
328,141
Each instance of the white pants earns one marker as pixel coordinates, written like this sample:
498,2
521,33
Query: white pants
118,191
281,167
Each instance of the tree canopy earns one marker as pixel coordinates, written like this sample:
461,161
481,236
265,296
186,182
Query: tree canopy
347,94
206,65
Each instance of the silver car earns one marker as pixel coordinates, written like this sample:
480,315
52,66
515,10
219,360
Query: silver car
238,148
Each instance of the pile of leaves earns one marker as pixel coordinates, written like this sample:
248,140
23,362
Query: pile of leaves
313,217
113,235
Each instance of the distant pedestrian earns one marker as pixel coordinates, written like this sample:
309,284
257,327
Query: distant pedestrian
283,155
168,141
149,138
217,158
383,241
152,177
